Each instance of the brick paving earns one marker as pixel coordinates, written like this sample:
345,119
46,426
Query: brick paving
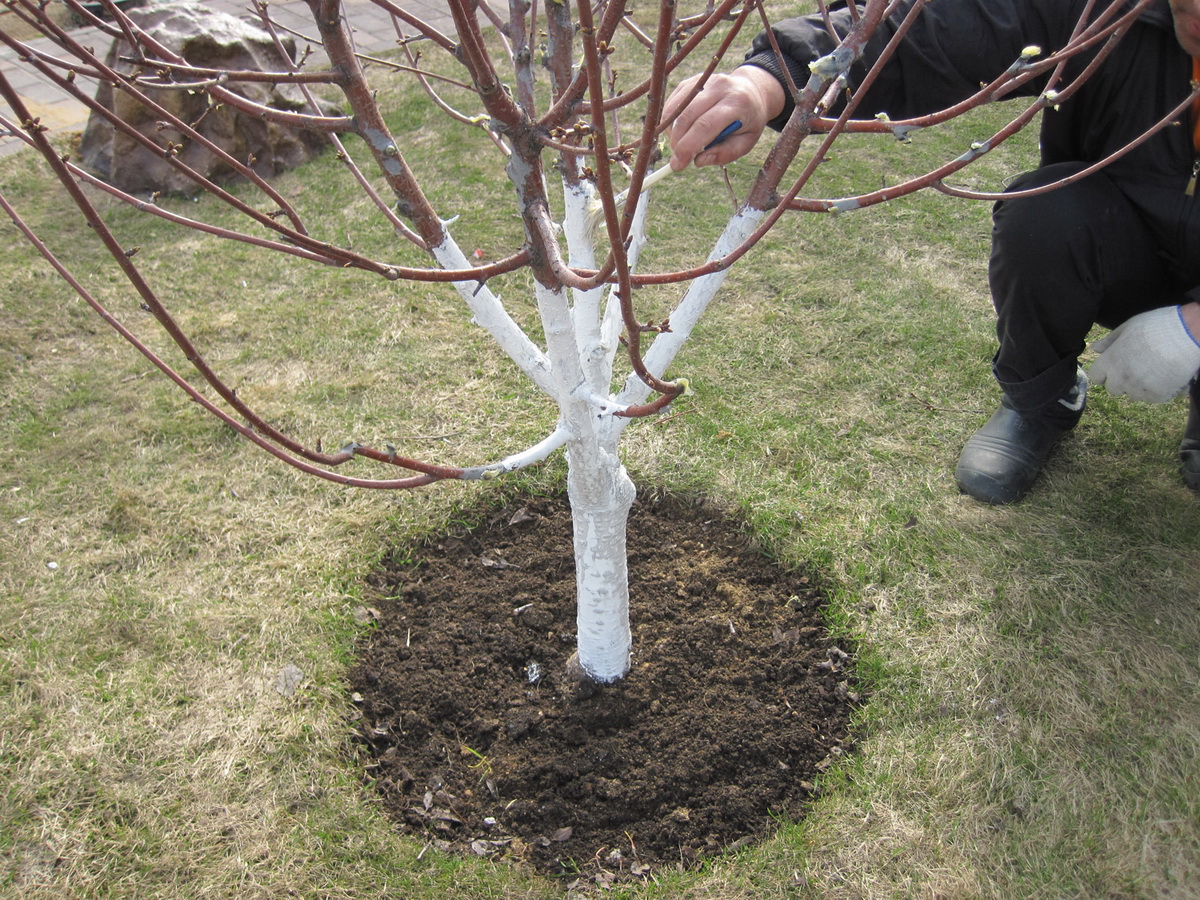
58,111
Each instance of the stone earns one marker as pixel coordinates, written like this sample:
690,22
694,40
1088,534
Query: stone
213,39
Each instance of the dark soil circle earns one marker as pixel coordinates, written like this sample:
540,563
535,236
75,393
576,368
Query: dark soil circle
737,698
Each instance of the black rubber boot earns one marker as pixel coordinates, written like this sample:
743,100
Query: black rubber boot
1189,449
1002,459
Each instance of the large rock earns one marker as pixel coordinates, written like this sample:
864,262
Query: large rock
209,38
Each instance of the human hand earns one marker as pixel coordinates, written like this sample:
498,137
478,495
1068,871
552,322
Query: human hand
1151,357
749,94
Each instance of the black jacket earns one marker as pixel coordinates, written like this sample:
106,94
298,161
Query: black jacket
957,45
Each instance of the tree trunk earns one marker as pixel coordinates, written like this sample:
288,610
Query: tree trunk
601,494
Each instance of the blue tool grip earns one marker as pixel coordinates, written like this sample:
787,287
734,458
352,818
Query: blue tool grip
726,132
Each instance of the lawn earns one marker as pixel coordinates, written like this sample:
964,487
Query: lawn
1033,729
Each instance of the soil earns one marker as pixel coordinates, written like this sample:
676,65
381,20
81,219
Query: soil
479,739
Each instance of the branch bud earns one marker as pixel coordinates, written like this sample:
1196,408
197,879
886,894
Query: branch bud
834,64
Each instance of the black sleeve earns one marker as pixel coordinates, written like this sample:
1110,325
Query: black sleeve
953,48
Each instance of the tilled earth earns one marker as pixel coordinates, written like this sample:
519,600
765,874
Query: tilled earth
737,698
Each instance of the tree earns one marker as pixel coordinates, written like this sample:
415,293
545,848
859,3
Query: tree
584,125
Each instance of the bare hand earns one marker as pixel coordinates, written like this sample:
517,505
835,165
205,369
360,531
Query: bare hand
749,94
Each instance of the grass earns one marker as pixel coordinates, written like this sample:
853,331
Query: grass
1034,730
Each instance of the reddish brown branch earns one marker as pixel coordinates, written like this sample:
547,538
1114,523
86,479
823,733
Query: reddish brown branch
1170,118
427,31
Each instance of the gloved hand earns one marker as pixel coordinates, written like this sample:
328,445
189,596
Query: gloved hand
1150,357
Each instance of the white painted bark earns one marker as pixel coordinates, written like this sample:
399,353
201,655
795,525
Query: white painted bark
490,314
576,370
598,328
586,311
614,324
600,493
689,310
530,456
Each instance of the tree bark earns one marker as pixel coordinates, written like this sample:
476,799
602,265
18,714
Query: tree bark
601,494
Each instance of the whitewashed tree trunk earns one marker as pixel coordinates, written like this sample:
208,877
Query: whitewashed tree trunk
581,340
599,490
601,494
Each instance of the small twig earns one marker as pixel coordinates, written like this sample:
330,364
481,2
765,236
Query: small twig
429,437
674,415
931,408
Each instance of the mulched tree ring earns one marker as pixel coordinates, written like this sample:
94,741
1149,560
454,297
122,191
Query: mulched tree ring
736,701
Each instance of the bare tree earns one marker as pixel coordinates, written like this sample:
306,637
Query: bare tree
545,99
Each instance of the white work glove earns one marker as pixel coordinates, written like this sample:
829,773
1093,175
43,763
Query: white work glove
1150,357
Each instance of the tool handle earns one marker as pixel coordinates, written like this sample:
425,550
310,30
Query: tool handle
726,132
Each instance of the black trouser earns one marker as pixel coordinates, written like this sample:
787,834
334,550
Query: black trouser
1061,262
